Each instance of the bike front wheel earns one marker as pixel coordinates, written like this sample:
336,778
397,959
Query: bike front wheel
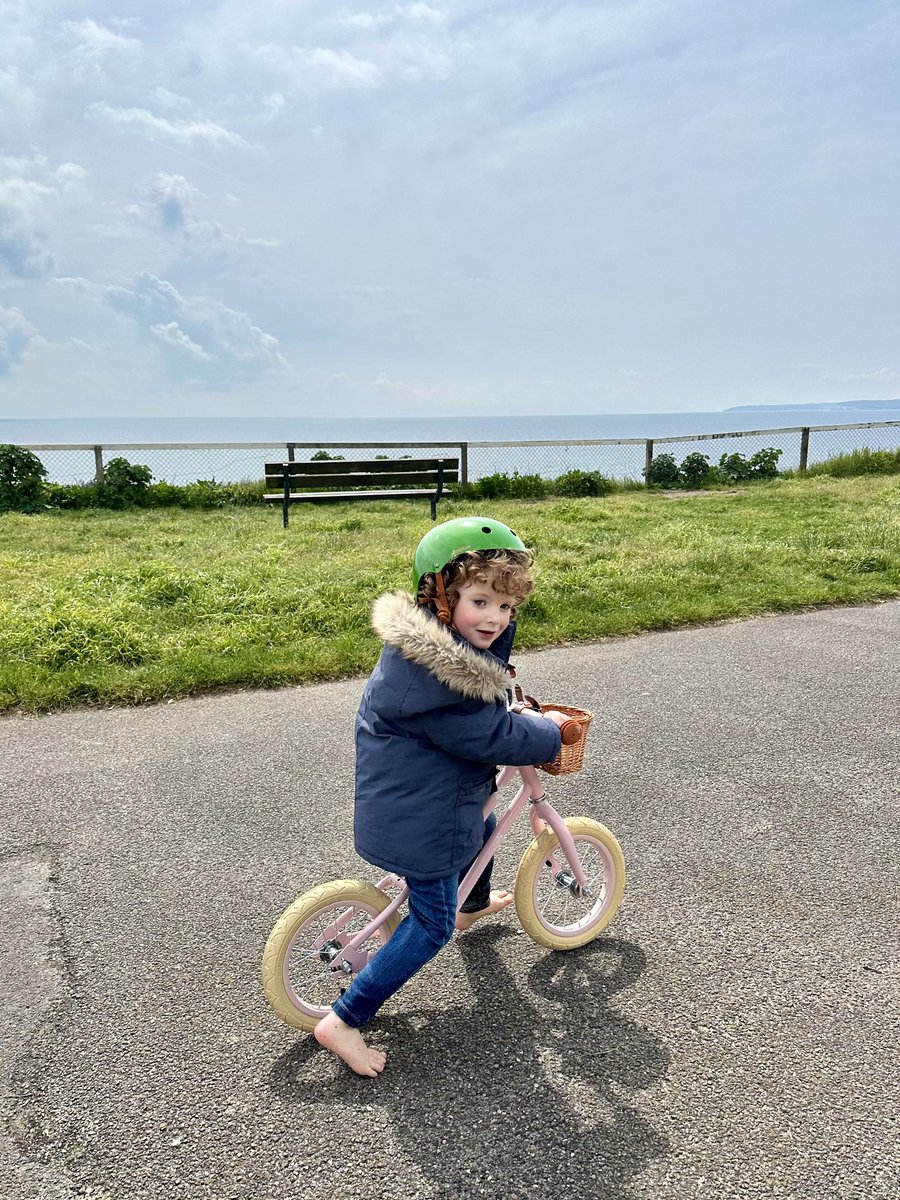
550,906
297,973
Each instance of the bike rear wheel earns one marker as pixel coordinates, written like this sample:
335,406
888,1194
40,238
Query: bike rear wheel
548,904
296,965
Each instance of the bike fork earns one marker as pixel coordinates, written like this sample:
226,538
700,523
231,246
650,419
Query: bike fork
542,814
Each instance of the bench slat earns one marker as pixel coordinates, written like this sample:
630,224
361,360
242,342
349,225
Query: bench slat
395,494
419,478
338,466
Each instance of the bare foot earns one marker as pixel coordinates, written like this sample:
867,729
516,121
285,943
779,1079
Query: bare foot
347,1043
498,901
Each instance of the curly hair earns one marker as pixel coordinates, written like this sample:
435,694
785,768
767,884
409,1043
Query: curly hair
507,571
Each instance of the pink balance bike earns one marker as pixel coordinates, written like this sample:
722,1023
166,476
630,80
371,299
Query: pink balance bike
568,886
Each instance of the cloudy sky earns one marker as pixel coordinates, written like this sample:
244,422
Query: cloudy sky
447,206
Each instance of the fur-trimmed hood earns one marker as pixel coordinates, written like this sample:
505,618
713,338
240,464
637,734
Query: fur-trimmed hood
421,639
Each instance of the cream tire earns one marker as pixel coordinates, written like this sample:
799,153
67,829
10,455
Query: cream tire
296,977
551,912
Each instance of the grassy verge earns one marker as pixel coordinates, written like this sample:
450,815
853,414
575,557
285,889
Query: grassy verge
102,607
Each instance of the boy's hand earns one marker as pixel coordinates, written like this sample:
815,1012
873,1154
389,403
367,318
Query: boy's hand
557,718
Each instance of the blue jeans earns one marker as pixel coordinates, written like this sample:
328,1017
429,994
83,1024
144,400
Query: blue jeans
428,926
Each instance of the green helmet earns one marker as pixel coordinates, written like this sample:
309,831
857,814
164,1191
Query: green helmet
447,541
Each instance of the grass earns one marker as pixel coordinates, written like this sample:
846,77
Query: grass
104,607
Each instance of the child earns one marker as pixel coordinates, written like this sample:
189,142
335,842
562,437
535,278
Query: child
433,725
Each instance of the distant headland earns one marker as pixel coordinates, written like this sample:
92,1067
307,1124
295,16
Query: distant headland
839,406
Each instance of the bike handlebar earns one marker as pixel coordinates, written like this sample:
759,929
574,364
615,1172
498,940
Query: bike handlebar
570,733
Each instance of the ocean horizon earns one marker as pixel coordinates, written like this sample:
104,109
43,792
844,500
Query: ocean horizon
443,430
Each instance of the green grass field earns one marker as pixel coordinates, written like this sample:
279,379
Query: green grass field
103,607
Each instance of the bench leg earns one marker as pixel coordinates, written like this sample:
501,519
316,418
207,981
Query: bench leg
433,509
286,502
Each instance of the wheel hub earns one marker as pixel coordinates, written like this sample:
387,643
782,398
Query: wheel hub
566,880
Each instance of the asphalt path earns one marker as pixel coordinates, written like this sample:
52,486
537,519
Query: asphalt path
734,1034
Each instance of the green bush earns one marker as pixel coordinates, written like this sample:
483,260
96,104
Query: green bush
72,495
695,470
164,495
581,483
764,463
502,486
735,468
124,484
205,493
664,472
22,480
246,493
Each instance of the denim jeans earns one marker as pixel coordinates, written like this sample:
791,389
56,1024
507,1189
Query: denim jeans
428,926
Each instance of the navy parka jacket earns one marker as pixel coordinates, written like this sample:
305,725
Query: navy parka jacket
432,726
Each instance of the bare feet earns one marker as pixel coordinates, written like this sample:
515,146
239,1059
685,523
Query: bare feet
347,1043
498,901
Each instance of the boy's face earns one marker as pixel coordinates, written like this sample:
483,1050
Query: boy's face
481,614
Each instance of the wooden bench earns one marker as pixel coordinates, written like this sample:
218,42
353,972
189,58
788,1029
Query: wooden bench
332,478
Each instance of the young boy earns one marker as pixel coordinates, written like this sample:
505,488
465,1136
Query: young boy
433,725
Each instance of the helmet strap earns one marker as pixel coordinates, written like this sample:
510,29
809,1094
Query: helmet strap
443,608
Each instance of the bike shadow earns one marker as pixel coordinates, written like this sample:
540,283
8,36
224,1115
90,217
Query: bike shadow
523,1094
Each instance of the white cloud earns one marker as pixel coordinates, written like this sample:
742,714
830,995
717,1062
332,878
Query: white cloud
169,195
401,12
16,335
173,335
193,330
94,47
334,68
31,197
168,201
179,133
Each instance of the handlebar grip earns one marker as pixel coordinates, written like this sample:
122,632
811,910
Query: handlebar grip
570,733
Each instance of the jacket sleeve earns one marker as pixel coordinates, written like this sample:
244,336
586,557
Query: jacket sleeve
490,733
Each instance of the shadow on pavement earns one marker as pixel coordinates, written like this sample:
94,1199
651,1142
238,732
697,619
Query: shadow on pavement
503,1097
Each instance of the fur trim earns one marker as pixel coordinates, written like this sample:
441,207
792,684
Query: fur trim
422,640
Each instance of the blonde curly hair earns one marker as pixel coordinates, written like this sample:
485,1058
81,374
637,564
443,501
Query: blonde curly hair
507,571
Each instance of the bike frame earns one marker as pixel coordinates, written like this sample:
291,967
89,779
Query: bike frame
542,813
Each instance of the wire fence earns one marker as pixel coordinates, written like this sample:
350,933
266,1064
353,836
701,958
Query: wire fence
617,458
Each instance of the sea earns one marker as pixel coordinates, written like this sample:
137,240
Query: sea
136,438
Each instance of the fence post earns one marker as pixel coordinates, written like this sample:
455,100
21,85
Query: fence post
804,447
464,462
290,450
98,466
648,459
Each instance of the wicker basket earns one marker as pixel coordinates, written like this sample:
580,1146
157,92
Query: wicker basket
570,758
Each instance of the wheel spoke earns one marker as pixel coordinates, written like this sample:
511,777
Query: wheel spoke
561,908
302,950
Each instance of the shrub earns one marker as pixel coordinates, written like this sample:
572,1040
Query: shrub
72,495
664,472
205,493
695,470
22,476
514,487
124,484
246,492
764,463
164,495
324,456
581,483
735,468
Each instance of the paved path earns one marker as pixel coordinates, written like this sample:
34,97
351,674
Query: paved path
734,1035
